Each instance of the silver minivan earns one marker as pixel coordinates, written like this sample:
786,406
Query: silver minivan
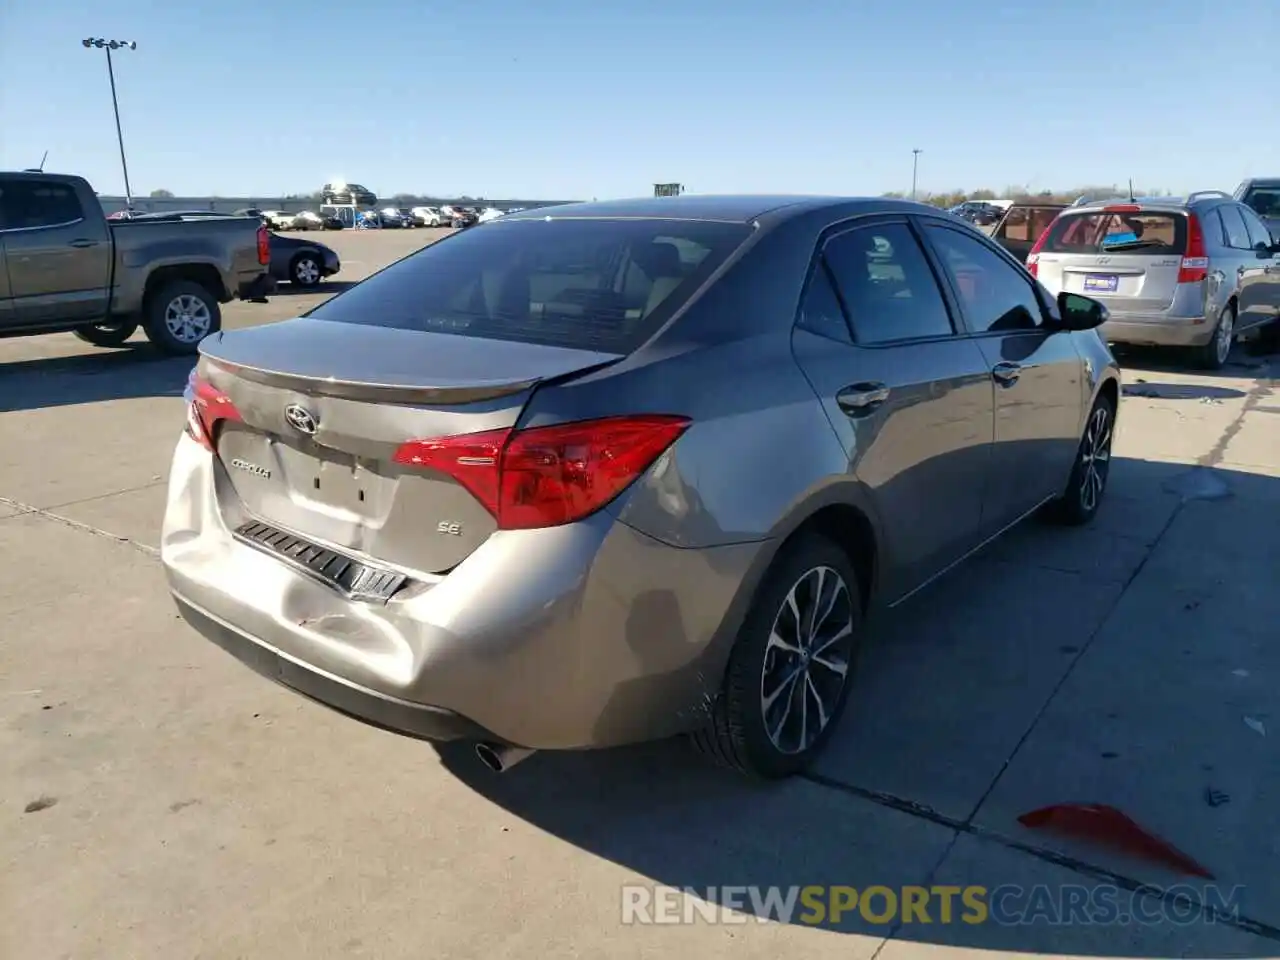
1189,273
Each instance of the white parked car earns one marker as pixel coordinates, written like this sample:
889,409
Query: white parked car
278,219
428,216
308,220
490,213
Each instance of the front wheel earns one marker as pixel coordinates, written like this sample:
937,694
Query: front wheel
1088,480
179,315
789,674
108,334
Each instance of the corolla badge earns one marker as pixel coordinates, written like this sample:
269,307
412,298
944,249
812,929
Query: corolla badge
253,468
301,419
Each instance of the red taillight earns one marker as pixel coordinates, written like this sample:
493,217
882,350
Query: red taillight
1195,262
1033,258
548,475
264,246
207,407
1122,208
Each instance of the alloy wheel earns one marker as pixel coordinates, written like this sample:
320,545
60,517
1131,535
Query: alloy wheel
307,271
1225,334
807,659
187,318
1095,458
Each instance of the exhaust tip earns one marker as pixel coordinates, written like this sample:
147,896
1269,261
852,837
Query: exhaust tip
500,757
488,755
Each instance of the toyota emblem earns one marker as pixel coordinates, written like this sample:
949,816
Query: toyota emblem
301,419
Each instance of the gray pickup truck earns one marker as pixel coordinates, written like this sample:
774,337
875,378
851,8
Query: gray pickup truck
65,267
1262,195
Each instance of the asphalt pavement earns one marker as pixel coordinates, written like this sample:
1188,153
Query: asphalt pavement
162,801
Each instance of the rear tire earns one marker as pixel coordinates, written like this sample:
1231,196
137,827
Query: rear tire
180,314
1213,355
108,334
787,681
1088,481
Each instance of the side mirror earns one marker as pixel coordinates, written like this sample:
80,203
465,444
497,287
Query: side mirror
1264,250
1081,313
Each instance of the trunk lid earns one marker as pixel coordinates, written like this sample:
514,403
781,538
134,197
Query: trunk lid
1128,260
324,406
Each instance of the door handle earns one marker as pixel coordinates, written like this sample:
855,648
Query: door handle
1006,374
859,399
81,244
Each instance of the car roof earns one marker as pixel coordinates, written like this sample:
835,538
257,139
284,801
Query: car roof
734,208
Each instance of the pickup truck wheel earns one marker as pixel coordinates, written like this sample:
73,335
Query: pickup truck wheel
108,334
305,270
179,315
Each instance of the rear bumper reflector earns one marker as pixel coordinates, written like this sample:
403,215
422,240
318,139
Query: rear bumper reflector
354,578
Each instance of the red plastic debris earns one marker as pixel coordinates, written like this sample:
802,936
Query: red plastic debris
1109,827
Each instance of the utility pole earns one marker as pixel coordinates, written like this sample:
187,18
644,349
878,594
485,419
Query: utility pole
109,45
915,169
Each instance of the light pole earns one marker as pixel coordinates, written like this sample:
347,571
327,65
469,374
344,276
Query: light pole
915,167
109,45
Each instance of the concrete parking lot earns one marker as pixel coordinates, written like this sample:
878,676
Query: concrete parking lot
161,801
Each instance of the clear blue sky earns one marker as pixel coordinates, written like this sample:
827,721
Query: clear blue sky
573,99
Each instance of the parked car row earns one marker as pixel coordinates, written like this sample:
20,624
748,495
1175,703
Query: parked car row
980,212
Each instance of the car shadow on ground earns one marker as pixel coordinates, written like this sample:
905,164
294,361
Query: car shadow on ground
945,700
1250,358
135,371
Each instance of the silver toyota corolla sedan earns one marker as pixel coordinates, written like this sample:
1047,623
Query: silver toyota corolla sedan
611,472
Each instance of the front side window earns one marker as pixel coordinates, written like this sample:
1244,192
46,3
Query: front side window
28,204
604,285
1258,232
887,285
995,294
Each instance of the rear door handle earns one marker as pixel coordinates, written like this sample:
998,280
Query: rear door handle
81,244
859,399
1006,374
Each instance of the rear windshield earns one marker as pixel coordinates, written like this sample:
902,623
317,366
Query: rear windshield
1265,200
603,285
1144,233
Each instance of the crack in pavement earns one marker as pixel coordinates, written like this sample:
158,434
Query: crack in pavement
1095,871
27,510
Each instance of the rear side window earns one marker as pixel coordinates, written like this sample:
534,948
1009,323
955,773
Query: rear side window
603,285
1233,224
28,204
820,311
887,284
1146,233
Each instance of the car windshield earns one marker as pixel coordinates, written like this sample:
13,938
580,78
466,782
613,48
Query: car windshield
603,285
1145,232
